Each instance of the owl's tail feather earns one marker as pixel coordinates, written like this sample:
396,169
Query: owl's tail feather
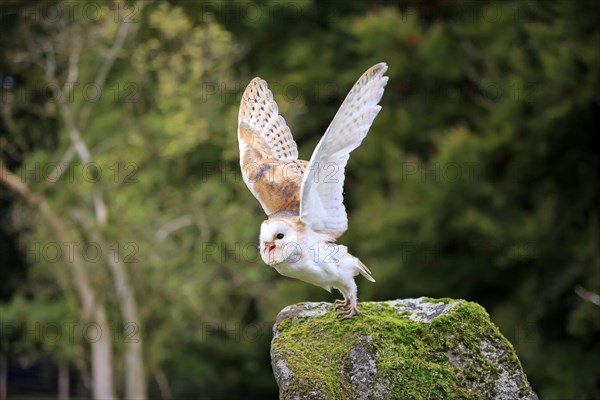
364,271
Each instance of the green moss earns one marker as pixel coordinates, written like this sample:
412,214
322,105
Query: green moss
445,300
316,348
412,357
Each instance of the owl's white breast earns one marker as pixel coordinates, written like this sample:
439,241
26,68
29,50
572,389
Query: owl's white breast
317,264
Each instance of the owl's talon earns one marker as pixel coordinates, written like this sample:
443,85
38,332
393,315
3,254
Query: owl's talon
350,313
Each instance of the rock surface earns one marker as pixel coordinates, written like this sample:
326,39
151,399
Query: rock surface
402,349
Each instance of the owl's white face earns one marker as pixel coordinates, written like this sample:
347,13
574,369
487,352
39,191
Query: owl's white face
278,242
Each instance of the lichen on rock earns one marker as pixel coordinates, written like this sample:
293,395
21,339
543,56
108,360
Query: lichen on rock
402,349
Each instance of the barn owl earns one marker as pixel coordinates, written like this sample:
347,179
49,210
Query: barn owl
303,200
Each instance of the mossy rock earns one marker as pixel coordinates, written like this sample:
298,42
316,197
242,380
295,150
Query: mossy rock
402,349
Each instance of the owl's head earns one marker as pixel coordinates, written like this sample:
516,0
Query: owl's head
279,242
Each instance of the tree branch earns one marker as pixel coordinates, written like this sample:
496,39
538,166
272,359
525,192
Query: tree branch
15,184
118,42
172,226
61,167
101,211
587,295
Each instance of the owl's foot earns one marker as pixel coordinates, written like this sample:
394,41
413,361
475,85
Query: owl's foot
341,304
351,312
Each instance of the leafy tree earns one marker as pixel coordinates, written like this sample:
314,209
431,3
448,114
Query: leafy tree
478,177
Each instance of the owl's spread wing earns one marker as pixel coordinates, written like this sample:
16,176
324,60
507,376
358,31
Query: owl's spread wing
321,198
268,153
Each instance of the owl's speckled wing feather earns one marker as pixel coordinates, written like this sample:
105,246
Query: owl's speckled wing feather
268,153
321,204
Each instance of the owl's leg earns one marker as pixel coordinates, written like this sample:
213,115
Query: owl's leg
353,298
341,304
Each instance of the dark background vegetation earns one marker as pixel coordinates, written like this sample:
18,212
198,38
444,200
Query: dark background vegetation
480,179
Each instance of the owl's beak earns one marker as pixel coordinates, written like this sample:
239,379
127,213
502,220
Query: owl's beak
270,246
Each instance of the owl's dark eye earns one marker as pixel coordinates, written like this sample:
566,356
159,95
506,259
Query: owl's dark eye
280,235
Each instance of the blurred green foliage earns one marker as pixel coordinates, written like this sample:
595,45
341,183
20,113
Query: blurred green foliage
480,178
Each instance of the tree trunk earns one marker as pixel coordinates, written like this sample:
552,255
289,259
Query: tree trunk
102,366
3,373
135,380
63,380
